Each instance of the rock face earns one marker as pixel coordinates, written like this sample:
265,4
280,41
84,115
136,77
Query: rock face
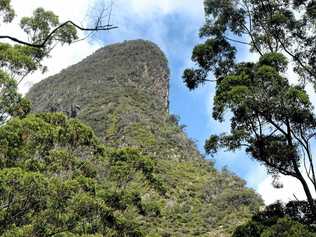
121,91
132,65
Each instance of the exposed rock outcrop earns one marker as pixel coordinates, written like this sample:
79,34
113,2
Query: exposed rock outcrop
121,91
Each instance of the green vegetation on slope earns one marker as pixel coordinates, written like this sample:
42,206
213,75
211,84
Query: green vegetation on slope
58,180
121,92
291,220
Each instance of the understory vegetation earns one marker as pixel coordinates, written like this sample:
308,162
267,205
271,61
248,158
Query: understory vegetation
57,179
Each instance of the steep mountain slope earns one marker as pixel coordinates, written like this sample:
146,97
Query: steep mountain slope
121,91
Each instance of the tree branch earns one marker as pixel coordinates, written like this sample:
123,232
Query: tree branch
252,40
50,35
237,41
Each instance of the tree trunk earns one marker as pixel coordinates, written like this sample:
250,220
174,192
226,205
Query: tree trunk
299,175
308,194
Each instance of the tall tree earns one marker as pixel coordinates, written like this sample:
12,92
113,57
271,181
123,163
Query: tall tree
271,118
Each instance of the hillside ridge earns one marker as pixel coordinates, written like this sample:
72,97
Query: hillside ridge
122,92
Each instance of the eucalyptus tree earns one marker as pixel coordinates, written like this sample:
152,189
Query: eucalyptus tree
19,58
270,117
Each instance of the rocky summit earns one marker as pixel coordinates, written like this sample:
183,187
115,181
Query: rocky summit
121,91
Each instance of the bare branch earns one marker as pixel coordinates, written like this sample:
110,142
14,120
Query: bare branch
237,41
51,34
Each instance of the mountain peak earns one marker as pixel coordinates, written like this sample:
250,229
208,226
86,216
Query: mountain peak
121,91
137,63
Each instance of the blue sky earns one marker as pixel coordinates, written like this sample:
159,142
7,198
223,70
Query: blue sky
175,29
173,25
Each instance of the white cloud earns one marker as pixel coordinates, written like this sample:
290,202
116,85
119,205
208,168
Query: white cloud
129,15
291,188
59,7
65,9
157,21
162,7
61,57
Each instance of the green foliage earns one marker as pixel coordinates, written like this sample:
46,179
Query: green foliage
125,105
55,170
279,221
215,55
155,175
56,178
270,26
11,102
287,228
6,11
270,117
275,60
41,24
20,60
23,59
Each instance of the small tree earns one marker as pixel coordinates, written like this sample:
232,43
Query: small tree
17,61
279,220
271,118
